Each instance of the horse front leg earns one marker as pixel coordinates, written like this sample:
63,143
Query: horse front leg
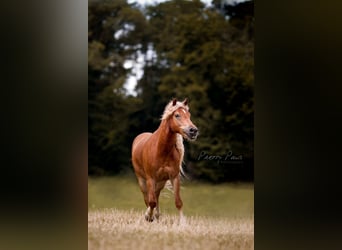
143,188
159,186
152,202
178,200
157,211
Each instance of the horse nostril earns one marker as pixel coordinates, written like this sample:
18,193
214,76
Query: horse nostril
193,130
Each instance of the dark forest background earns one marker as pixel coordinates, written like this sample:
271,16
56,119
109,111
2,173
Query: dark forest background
204,53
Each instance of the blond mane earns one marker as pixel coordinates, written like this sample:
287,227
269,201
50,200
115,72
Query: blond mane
170,108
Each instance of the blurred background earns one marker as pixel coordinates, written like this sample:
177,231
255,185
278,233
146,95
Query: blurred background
45,93
143,53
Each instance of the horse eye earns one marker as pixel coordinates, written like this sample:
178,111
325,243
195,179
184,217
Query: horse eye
177,115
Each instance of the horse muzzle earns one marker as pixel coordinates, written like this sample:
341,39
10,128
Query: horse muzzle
191,133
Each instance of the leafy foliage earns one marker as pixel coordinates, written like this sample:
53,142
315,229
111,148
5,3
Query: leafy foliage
114,29
199,54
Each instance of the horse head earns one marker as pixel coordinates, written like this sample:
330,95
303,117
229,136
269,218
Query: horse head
179,120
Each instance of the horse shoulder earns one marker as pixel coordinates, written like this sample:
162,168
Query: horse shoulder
140,141
137,150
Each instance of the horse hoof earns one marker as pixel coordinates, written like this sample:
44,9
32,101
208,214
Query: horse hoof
148,218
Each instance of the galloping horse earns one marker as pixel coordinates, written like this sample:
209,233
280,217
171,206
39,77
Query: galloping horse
157,157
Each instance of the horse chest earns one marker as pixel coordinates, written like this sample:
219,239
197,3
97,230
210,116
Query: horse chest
168,168
167,172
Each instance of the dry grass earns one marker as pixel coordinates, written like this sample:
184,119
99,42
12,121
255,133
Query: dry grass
119,229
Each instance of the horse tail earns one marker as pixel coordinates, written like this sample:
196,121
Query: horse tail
169,187
183,176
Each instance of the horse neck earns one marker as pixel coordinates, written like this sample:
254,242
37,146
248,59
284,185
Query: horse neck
166,138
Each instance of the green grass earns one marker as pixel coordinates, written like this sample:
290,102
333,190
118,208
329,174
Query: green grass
224,200
216,217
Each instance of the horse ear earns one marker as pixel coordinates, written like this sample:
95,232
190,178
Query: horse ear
185,102
174,101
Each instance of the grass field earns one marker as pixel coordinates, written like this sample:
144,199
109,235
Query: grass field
217,217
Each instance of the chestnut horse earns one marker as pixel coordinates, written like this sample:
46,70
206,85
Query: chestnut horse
157,157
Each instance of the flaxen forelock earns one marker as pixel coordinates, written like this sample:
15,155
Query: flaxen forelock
170,108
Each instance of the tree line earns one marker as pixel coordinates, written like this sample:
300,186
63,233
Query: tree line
204,53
